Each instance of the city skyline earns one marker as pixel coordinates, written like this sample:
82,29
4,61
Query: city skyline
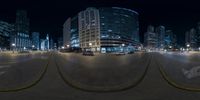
50,18
99,50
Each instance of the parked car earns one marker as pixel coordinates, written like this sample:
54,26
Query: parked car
88,53
120,53
131,52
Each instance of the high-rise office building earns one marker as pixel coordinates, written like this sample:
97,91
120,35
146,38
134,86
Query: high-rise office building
71,33
74,36
21,38
106,29
36,40
44,43
174,41
60,42
150,38
198,35
51,44
190,38
160,31
169,38
6,30
66,32
89,29
119,28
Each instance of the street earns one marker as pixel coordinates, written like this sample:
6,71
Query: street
71,76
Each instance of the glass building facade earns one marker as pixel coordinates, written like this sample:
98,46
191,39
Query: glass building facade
168,38
74,36
22,36
104,29
66,32
150,38
119,29
36,40
160,31
6,30
89,29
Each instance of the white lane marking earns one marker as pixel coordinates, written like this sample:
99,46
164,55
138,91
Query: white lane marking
1,73
193,72
5,66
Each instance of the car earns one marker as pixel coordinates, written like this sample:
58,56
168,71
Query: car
88,53
131,52
120,53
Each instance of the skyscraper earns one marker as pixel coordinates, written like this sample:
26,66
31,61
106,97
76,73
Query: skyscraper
71,33
60,42
6,31
150,38
74,36
198,35
190,38
45,43
89,29
36,40
106,29
119,29
174,41
21,37
66,32
169,38
160,31
51,44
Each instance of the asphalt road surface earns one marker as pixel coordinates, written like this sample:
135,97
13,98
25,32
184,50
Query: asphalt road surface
64,76
21,70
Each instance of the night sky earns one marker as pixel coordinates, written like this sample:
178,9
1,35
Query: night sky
48,16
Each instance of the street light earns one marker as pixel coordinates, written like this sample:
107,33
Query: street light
24,48
13,45
33,46
139,48
188,45
63,47
90,44
123,46
67,46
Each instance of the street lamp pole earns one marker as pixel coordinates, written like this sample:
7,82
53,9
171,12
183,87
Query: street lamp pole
123,46
188,46
33,46
13,46
90,44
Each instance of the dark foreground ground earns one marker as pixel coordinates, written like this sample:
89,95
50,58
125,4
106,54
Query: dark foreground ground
140,76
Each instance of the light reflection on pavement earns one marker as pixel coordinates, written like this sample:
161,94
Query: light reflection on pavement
182,69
